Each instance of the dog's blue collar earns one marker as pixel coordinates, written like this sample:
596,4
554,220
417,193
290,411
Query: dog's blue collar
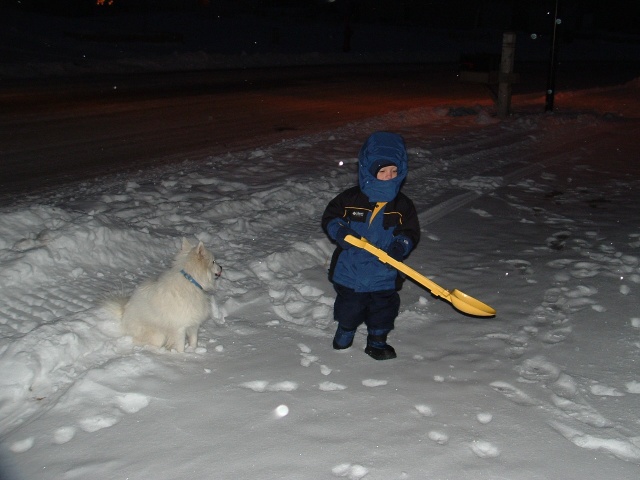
191,279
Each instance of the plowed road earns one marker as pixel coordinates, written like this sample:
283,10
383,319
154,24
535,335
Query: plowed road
64,130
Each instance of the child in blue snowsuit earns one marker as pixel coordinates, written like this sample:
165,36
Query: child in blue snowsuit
375,209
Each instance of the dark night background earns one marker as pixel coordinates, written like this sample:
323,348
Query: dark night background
590,30
580,17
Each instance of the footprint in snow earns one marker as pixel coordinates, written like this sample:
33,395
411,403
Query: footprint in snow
556,336
580,303
440,438
425,410
351,471
481,213
98,422
581,291
264,386
324,370
514,394
256,385
516,345
622,449
285,386
308,359
484,418
331,387
565,386
514,340
22,446
548,314
560,263
605,391
633,387
521,267
581,411
565,397
538,369
63,435
132,402
585,270
484,449
374,383
558,240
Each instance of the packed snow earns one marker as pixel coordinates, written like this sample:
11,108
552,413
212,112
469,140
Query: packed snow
535,215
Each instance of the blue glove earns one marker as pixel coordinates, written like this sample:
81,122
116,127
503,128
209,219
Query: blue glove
342,232
396,250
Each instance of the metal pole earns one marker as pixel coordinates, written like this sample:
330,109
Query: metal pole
553,61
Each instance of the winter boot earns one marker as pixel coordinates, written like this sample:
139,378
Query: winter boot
343,338
377,346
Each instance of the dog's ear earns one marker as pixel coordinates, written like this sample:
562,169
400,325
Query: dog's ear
186,246
200,249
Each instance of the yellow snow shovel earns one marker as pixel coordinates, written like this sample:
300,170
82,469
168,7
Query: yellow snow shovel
458,299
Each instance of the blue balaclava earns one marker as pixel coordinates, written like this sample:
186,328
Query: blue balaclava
381,150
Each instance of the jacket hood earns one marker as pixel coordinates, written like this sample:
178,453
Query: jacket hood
382,147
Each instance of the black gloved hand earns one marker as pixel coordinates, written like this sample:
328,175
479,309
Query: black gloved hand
342,232
396,251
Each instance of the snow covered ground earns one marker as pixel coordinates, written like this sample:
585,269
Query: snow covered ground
535,215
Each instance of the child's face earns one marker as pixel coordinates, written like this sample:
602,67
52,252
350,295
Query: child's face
387,173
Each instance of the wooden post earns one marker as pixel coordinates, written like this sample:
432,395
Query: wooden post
505,76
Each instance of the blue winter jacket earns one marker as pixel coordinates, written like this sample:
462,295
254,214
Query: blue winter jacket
375,210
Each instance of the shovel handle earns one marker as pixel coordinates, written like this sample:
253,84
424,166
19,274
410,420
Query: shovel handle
458,299
384,257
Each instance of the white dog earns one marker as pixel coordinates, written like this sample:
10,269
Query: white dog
169,310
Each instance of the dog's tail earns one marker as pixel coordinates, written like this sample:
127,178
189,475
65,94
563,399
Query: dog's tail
115,305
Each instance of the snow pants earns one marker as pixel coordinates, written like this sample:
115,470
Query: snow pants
377,310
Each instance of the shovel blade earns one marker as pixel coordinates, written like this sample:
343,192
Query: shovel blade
470,305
